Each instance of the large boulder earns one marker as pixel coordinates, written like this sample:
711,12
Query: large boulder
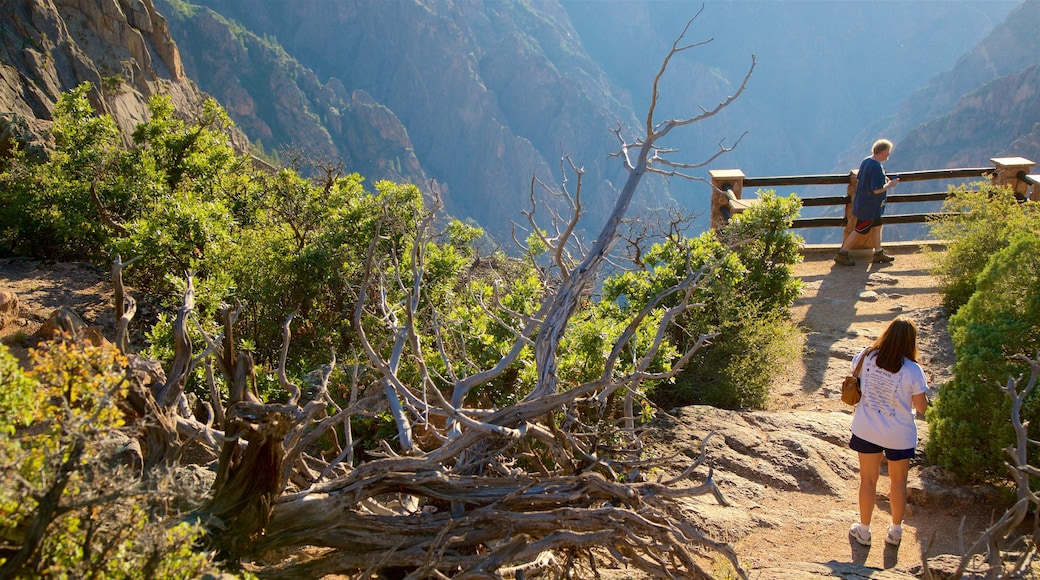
796,451
65,322
8,307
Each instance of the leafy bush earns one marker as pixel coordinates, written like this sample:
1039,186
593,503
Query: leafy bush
48,206
738,367
745,299
67,507
768,249
968,422
981,221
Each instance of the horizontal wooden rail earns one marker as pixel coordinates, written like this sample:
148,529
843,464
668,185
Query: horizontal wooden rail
931,174
901,218
915,197
826,200
818,222
834,179
845,178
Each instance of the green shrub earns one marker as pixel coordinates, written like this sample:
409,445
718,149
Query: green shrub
745,298
969,421
58,422
48,205
768,249
172,237
737,368
980,222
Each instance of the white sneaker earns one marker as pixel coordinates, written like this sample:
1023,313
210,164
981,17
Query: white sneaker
860,533
895,535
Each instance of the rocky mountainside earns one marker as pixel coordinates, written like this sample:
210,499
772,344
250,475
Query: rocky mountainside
986,105
999,119
476,98
122,47
280,103
491,93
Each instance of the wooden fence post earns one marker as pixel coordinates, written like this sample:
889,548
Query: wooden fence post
721,181
1008,170
850,217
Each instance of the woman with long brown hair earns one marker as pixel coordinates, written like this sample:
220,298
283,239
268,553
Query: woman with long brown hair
894,386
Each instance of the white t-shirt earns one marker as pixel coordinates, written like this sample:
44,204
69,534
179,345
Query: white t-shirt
885,414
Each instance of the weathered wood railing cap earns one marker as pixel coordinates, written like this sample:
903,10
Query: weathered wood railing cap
1014,171
726,187
724,174
1011,162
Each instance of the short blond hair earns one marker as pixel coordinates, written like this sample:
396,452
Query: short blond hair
881,145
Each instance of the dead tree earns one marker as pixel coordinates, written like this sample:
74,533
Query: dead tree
531,488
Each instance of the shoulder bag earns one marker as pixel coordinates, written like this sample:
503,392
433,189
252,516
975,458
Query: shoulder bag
850,391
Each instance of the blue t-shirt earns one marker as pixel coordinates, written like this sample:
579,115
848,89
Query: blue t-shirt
868,205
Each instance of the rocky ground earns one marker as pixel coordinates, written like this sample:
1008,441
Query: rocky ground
786,472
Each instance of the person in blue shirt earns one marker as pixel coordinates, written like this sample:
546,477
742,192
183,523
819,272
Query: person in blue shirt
868,205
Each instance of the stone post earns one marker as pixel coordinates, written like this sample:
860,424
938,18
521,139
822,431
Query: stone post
1008,169
721,181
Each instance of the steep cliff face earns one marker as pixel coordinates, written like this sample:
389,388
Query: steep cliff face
491,93
278,102
1000,119
122,47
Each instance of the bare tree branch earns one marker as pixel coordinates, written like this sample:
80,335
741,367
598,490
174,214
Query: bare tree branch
468,490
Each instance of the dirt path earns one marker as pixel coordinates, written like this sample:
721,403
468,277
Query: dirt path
843,309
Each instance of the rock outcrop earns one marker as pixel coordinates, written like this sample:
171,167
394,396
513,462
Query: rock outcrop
279,103
8,307
122,47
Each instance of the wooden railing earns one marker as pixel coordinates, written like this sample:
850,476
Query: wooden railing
728,186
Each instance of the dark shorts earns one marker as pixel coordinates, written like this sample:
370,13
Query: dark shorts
864,446
864,226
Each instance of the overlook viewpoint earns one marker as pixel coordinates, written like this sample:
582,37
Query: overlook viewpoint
319,376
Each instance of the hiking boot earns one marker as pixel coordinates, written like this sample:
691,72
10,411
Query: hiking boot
860,533
880,257
895,535
844,259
